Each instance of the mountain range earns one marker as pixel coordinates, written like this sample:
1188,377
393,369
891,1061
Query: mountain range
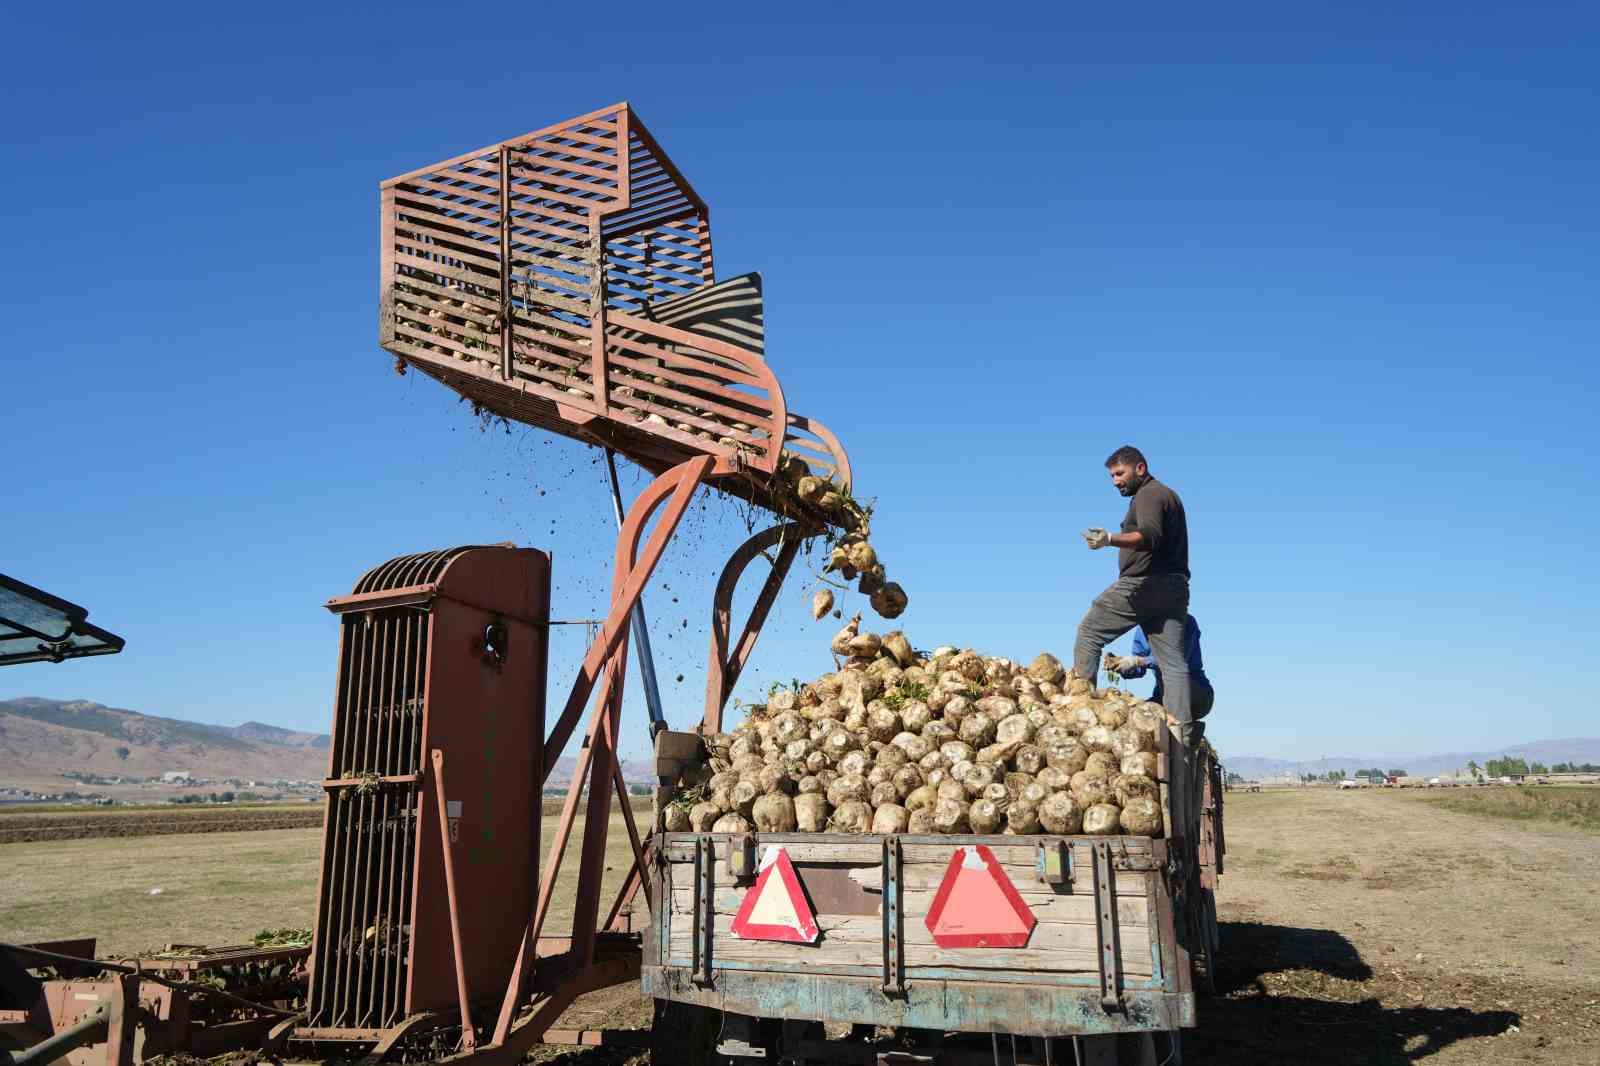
40,739
1549,752
45,737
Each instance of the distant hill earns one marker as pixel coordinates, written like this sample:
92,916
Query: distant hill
44,736
634,772
273,734
1566,749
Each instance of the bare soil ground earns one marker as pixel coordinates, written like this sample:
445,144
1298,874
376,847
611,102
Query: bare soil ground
1369,926
22,826
1378,926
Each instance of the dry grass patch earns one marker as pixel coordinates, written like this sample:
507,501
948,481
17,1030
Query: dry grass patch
212,888
1573,806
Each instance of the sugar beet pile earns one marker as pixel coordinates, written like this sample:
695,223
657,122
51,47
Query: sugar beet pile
900,741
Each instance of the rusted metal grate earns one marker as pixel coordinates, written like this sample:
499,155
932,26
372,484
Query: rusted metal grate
439,652
359,973
407,571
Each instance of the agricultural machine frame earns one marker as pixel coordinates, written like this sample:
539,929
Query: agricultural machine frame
565,279
186,999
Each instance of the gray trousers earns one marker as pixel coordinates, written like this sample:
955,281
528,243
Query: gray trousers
1160,605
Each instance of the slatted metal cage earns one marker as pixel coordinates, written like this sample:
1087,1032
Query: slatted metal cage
441,655
544,278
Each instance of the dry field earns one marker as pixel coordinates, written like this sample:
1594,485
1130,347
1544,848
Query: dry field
23,825
1359,927
1378,926
138,893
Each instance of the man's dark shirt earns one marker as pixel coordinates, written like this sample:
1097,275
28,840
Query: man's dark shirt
1156,512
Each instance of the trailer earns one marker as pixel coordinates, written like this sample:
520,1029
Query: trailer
1079,947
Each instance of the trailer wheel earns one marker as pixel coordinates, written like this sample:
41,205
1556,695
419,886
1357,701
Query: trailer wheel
685,1033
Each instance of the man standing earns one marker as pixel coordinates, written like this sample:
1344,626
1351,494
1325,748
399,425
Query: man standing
1152,592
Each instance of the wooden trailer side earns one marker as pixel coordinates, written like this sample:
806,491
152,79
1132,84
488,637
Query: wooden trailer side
1100,958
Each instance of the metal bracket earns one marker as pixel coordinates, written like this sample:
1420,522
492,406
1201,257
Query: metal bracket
739,1049
742,1037
742,858
894,973
1053,862
1106,922
640,628
705,868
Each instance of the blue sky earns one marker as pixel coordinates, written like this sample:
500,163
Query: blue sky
1332,266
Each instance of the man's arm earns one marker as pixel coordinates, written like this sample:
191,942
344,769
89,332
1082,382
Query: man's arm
1140,659
1098,538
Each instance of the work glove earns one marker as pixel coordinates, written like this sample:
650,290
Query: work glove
1123,665
1096,537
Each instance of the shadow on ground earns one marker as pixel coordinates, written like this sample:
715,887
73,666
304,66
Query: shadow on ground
1252,950
1290,995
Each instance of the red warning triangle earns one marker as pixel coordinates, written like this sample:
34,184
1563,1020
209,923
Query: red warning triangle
776,907
977,906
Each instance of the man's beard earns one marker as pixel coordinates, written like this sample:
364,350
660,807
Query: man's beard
1132,485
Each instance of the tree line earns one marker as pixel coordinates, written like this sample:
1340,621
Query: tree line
1519,767
1371,773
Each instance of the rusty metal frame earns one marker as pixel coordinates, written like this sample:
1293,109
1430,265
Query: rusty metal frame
513,274
540,256
468,1030
102,1007
726,665
601,676
599,683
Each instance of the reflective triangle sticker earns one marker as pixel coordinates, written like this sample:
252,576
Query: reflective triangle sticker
977,906
776,907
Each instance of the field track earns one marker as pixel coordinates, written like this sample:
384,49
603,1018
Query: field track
22,828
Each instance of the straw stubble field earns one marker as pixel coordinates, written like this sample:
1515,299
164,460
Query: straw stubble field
1367,926
138,893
